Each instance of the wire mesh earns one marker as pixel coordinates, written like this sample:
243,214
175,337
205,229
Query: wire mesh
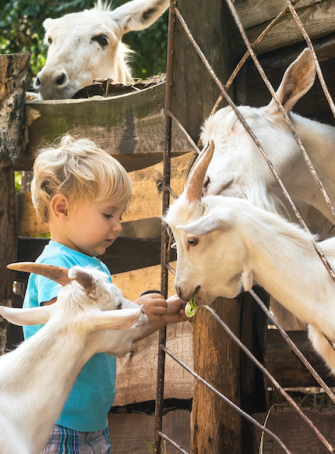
175,14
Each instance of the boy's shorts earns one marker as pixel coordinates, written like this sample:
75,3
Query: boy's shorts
67,441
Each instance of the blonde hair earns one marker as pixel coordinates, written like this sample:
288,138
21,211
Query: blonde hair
79,170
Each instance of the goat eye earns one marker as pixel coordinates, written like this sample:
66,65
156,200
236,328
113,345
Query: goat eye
49,40
101,39
119,306
192,241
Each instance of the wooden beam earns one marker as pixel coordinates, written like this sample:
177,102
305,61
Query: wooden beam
13,71
146,197
130,127
318,20
264,10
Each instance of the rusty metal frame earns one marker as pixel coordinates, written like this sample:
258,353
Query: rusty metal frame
175,14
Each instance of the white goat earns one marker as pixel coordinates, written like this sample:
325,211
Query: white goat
37,377
226,242
239,170
87,45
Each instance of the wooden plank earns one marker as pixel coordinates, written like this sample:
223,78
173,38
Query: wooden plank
253,13
130,432
286,367
318,19
133,283
294,432
146,197
137,371
130,127
126,254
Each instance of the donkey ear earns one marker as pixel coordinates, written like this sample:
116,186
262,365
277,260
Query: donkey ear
298,79
217,220
138,14
48,23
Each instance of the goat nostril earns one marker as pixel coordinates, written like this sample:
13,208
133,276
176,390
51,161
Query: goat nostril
60,79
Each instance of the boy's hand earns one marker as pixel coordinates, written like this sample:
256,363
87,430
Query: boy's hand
175,310
154,305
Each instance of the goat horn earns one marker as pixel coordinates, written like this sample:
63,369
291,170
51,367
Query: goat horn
193,185
55,273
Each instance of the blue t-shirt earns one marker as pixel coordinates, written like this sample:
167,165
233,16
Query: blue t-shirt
93,392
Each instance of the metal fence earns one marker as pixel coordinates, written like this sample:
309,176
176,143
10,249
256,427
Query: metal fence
174,16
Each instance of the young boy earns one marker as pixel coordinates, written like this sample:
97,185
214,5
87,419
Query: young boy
82,192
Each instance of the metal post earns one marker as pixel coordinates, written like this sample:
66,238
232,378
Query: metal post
164,236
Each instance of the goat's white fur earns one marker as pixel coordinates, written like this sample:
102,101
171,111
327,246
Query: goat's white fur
241,244
238,169
75,56
36,378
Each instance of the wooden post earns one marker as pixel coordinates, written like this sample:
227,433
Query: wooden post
215,427
13,71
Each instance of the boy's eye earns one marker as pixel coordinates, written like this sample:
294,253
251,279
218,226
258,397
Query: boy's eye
108,216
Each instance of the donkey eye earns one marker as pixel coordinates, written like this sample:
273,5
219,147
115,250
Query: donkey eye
192,241
101,39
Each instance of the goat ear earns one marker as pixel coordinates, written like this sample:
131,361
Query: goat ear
26,317
116,319
215,221
298,79
85,279
137,15
247,279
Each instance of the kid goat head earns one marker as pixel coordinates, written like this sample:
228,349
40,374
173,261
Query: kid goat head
90,316
190,219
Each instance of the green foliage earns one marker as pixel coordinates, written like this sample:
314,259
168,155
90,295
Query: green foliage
21,30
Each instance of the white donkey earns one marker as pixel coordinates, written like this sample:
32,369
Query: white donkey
87,45
37,377
239,170
224,243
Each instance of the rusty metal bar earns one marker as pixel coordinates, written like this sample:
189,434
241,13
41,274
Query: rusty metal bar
293,346
172,443
252,135
165,236
229,402
181,127
273,380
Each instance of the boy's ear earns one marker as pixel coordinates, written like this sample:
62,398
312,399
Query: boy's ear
59,206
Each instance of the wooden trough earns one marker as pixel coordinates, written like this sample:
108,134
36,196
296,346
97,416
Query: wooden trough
131,128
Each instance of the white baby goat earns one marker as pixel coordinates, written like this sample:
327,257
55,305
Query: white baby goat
224,243
37,377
